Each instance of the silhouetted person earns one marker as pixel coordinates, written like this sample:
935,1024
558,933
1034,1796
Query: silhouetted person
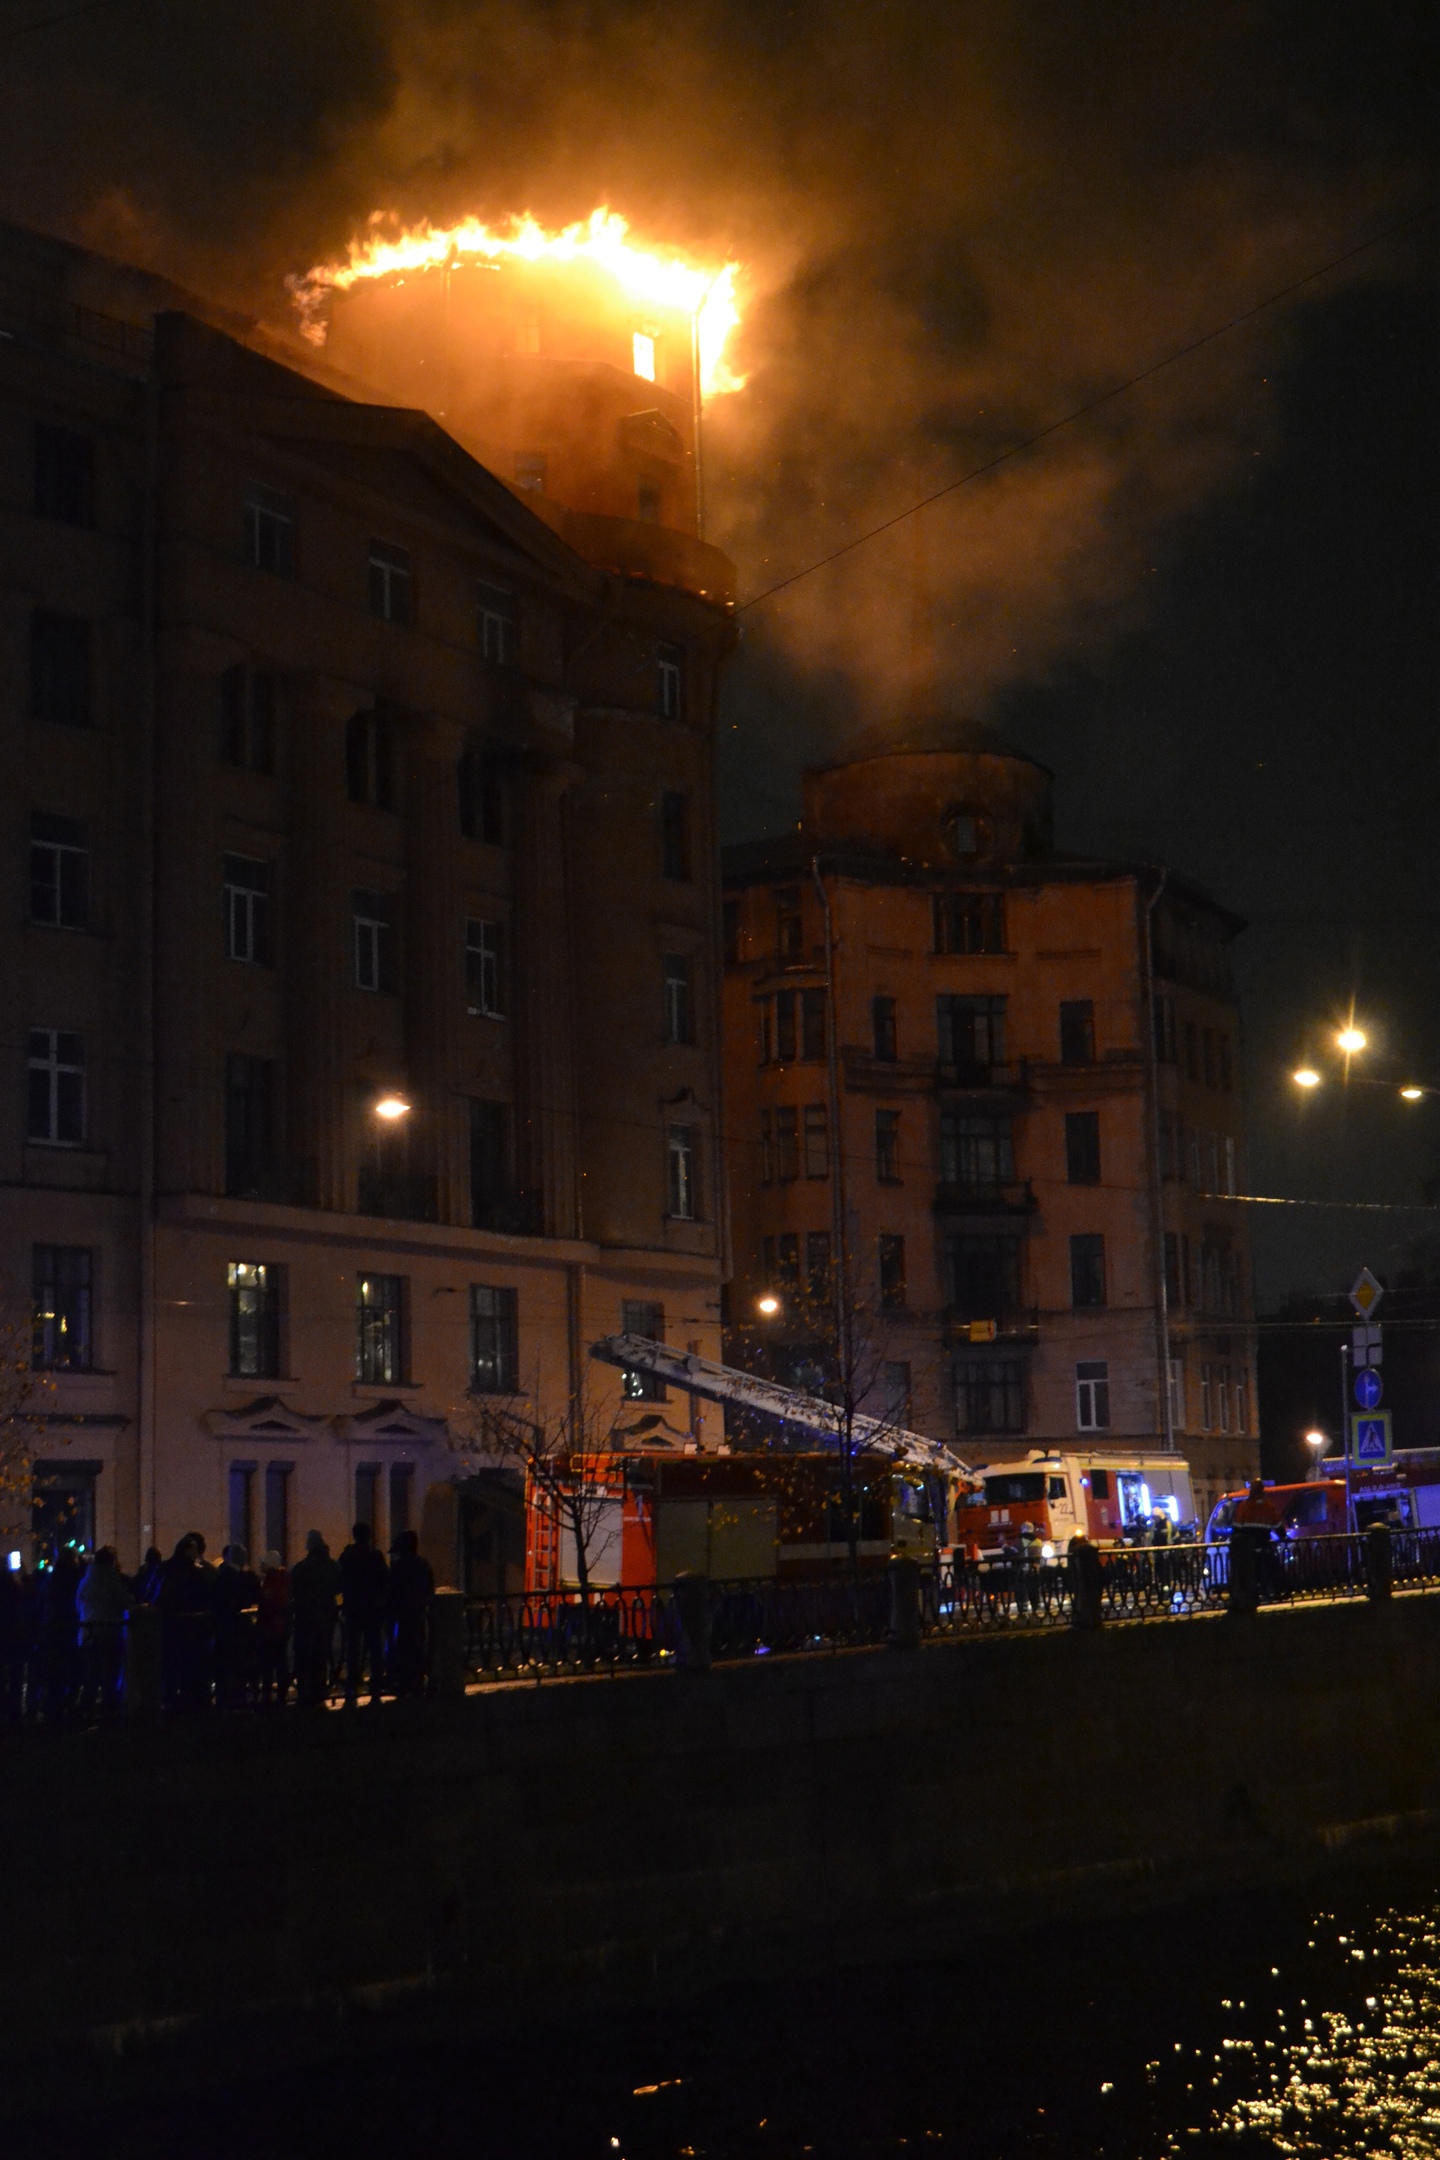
314,1594
14,1643
272,1630
102,1601
145,1582
60,1633
1253,1526
364,1587
186,1602
412,1585
236,1593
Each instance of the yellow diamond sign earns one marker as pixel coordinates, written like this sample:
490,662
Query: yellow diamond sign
1365,1293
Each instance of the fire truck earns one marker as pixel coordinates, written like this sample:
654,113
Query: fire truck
1319,1507
1105,1498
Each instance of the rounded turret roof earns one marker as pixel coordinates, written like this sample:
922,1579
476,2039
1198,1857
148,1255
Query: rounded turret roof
930,734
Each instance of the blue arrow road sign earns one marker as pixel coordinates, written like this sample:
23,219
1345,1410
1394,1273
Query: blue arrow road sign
1368,1389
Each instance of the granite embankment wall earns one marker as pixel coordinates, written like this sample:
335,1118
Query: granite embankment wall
614,1838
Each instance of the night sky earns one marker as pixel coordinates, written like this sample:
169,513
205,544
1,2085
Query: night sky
1211,607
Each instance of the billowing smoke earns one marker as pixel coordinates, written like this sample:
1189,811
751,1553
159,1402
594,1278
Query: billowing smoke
960,222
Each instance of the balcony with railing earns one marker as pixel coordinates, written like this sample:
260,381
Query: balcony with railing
986,1196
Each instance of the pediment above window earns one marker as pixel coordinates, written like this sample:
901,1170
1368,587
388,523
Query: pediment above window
267,1418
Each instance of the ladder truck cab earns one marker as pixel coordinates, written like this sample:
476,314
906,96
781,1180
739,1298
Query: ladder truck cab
1405,1493
1108,1499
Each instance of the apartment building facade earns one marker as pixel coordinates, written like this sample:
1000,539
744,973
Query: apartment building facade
996,1107
364,1056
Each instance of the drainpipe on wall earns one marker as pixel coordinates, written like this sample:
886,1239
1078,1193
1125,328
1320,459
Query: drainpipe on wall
145,1378
1157,1189
837,1183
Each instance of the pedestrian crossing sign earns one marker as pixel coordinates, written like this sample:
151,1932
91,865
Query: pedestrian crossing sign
1370,1437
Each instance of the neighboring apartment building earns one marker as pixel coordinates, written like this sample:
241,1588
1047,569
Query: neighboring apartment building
1034,1112
363,1059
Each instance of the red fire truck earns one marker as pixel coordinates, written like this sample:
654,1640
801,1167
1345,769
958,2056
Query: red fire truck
1317,1508
1102,1497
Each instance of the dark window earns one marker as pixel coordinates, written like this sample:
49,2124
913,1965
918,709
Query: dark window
679,1001
971,1036
648,1322
489,1161
817,1266
392,584
1207,1056
277,1510
254,1291
891,1254
682,1174
1082,1147
982,1275
379,1329
1222,1045
817,1140
1092,1413
989,1396
1192,1051
812,1024
247,909
767,1149
370,760
484,969
55,1088
367,1497
402,1496
1087,1269
1099,1479
887,1146
977,1154
64,475
730,931
787,1144
60,668
670,680
789,922
247,719
59,872
969,923
675,835
494,1340
495,610
782,1261
269,532
240,1514
482,795
882,1027
1173,1287
64,1280
784,1037
1077,1031
249,1125
373,930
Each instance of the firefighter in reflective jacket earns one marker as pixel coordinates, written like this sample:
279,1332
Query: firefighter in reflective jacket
1252,1526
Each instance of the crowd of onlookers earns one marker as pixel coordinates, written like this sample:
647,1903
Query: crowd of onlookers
231,1636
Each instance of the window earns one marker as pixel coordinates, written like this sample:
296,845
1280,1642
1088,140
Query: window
799,1024
1176,1386
817,1266
494,1340
392,586
1163,1022
247,719
481,794
782,1261
895,1395
1092,1406
240,1514
882,1029
1227,1077
989,1395
374,935
1223,1397
1207,1398
402,1497
370,760
817,1140
891,1251
969,923
249,1125
1192,1051
59,872
642,355
1087,1269
63,1280
887,1146
1242,1401
982,1275
247,909
531,467
971,1036
489,1161
60,668
484,972
648,1322
277,1510
1207,1056
767,1148
1082,1147
675,835
254,1290
379,1329
679,1000
497,627
789,922
976,1153
670,681
682,1174
367,1497
64,475
1173,1296
269,532
55,1100
787,1144
1077,1031
812,1024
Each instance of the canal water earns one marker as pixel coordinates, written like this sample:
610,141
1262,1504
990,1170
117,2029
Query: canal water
1284,2024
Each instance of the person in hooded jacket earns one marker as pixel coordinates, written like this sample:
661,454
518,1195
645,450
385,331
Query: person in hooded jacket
314,1595
364,1587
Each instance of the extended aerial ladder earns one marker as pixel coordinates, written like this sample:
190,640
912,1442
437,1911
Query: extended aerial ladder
810,1414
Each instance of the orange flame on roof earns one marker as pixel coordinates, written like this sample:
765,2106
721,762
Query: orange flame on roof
657,278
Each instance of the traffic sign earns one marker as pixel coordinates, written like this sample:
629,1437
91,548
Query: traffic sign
1365,1293
1370,1437
1368,1388
1366,1346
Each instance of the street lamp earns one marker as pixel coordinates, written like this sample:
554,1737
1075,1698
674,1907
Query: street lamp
1307,1077
1350,1039
769,1305
1412,1094
1317,1439
391,1107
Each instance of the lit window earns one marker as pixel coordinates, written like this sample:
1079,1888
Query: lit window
648,1322
379,1347
254,1332
643,349
494,1340
682,1184
63,1285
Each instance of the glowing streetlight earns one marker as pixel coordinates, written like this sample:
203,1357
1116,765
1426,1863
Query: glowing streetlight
391,1107
768,1305
1307,1077
1350,1039
1412,1094
1317,1440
